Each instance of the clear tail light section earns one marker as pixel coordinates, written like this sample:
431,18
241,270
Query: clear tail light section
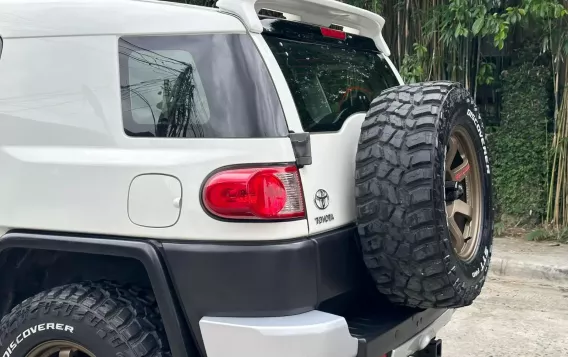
263,193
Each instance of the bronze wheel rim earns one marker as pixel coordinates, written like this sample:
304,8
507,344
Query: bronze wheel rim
59,348
463,194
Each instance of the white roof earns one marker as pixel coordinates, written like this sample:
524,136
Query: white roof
319,12
45,18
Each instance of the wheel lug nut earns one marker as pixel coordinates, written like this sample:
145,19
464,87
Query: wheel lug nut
454,190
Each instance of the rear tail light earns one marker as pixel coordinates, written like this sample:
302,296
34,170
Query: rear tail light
255,193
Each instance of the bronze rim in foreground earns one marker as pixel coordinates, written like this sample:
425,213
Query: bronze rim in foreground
58,348
463,193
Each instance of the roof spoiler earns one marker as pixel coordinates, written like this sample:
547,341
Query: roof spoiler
319,12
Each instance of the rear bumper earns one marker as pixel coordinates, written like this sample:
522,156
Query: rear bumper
311,334
422,339
314,294
263,279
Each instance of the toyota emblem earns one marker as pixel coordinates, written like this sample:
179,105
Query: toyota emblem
321,199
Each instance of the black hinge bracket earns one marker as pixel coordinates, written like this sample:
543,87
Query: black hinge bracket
302,148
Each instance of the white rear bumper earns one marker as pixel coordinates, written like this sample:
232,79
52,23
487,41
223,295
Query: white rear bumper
312,334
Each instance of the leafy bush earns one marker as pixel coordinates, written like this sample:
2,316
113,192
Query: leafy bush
548,234
520,145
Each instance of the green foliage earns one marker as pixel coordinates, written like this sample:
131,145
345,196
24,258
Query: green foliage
499,229
485,73
412,69
548,234
520,145
539,235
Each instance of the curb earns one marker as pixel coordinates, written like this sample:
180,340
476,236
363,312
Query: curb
518,269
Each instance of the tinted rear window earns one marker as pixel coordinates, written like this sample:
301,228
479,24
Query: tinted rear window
202,86
329,83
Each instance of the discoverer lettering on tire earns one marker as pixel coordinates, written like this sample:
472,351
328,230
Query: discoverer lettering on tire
96,319
35,329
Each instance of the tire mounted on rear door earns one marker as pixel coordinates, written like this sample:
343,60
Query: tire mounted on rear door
424,195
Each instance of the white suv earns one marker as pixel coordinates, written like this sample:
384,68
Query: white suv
250,180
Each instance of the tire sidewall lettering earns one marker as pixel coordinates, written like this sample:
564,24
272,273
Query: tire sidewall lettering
55,315
33,330
475,270
478,125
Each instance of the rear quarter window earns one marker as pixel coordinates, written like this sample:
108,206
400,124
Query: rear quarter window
200,86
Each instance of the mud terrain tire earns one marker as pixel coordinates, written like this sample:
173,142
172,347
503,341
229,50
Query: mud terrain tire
401,196
103,318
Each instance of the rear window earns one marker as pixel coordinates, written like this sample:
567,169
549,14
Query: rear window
202,86
329,82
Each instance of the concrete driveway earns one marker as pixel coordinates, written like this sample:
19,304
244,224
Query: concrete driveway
514,316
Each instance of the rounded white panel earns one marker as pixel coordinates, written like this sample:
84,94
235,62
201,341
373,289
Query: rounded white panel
154,200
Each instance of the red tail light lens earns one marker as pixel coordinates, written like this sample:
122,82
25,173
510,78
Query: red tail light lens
255,193
327,32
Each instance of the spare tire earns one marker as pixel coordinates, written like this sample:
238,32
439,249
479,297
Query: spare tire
423,194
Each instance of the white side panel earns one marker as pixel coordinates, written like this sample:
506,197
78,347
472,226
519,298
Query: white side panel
71,165
312,334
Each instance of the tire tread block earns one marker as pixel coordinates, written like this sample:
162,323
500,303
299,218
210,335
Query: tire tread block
121,315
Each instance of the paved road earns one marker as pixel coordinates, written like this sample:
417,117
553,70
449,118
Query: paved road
511,318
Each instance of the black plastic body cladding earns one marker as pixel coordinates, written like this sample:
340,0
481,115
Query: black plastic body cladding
387,330
191,280
272,279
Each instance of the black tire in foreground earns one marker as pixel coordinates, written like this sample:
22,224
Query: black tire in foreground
87,319
421,158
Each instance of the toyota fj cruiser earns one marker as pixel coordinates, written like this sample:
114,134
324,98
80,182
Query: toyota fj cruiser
252,180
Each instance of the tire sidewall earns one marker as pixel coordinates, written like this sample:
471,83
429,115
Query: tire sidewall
32,331
459,109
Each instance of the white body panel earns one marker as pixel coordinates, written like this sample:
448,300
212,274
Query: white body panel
61,121
61,131
333,170
312,334
53,18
